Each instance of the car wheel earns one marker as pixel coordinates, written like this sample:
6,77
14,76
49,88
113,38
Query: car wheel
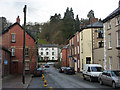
84,77
101,82
113,84
91,79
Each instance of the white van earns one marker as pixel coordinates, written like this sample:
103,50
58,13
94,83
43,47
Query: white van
92,71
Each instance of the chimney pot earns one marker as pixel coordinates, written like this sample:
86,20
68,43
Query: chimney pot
18,20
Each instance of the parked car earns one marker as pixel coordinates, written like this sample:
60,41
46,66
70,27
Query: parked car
92,71
47,65
110,77
69,70
38,72
61,70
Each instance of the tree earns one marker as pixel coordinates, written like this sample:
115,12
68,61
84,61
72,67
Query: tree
77,23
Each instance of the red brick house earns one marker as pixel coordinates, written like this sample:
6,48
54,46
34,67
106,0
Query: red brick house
65,52
14,36
74,49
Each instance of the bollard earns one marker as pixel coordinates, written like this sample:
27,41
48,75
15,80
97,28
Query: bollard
43,77
45,83
50,88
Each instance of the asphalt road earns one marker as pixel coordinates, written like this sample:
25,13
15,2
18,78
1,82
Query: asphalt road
61,80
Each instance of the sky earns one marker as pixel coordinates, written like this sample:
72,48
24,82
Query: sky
41,10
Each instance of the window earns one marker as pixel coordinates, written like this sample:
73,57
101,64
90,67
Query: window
81,35
118,20
110,63
41,48
52,48
109,24
13,52
46,53
119,62
77,37
26,51
27,65
118,38
41,58
75,50
46,48
110,41
100,44
78,49
82,48
52,53
41,53
52,58
13,37
100,33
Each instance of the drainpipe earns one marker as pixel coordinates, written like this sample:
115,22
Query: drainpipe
92,45
104,48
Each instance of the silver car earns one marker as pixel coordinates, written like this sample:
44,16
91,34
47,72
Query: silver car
110,77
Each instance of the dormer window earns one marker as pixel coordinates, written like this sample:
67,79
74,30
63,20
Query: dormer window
13,37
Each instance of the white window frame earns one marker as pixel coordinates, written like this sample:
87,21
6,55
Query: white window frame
110,46
26,51
109,24
118,38
13,52
78,49
117,20
77,37
27,65
13,37
110,63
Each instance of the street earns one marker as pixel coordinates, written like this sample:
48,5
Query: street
61,80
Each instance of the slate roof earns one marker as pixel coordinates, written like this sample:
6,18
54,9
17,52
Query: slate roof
95,25
112,15
20,26
48,45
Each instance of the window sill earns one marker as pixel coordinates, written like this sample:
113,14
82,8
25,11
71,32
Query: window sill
108,28
27,70
13,41
118,47
12,56
117,25
110,48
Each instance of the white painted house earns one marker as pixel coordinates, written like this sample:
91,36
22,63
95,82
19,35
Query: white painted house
48,51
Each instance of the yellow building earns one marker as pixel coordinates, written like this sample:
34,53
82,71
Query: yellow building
88,41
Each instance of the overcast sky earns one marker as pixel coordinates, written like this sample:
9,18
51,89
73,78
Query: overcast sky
41,10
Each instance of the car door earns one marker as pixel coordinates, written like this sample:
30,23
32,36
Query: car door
103,77
109,79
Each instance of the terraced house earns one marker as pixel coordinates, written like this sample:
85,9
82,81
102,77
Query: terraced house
90,38
12,39
112,40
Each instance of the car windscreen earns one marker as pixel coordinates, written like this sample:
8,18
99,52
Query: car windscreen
116,73
96,69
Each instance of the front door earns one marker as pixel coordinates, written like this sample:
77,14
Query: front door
15,67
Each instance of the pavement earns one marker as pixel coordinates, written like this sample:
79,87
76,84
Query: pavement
15,82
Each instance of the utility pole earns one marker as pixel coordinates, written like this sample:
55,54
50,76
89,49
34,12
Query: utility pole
24,27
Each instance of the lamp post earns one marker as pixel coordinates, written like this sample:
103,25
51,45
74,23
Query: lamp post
23,77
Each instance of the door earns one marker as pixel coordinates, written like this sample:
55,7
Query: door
88,60
15,67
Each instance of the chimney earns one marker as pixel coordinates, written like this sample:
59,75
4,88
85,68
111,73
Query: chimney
18,20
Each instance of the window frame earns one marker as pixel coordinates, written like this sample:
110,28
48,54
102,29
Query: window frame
13,38
13,52
27,52
110,44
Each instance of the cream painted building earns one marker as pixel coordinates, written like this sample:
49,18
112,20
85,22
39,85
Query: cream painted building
88,43
112,40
